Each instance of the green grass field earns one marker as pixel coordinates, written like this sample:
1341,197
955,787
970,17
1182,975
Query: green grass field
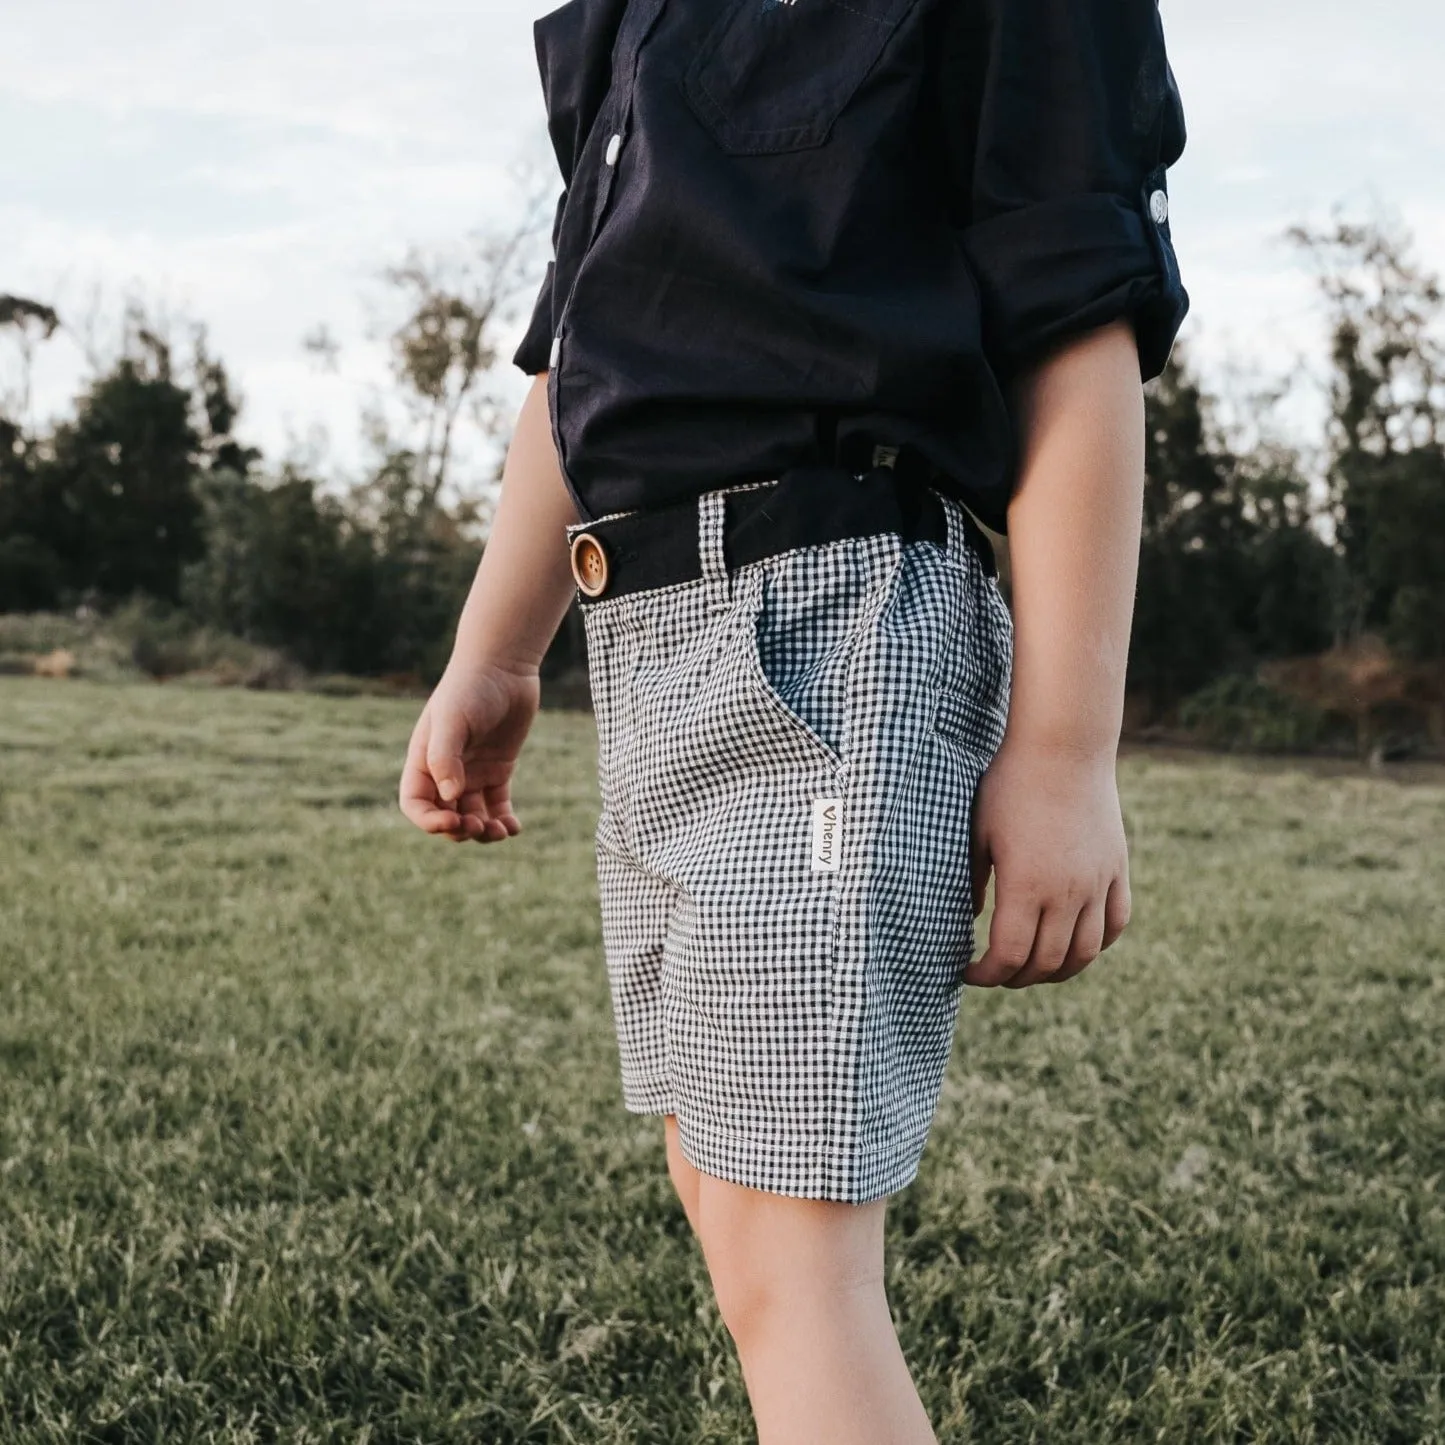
310,1131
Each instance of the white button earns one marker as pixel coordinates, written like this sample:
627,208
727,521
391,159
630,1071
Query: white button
614,149
1159,207
556,352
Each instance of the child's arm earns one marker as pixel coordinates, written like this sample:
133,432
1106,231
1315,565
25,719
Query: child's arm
1047,818
457,778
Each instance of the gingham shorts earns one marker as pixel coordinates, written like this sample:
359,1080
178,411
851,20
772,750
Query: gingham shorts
788,759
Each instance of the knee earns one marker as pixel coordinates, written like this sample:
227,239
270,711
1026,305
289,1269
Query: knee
748,1293
774,1260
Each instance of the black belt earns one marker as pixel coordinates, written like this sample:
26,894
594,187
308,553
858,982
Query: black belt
806,507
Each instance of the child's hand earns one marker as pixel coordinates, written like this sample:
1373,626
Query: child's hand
1048,825
458,775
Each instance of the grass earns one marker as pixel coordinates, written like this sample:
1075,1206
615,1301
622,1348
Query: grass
309,1127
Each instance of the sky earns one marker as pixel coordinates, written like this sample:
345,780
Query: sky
257,166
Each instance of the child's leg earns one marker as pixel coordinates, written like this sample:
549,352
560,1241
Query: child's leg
684,1176
799,1283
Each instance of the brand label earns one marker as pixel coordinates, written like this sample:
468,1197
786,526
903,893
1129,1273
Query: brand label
827,834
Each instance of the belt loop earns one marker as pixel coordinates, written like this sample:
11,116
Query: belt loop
959,545
965,536
711,524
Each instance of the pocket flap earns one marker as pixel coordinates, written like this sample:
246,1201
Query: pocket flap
774,75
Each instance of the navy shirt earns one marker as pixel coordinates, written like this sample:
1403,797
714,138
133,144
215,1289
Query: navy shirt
796,230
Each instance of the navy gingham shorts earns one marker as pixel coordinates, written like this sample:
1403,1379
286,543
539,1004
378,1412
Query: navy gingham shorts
788,756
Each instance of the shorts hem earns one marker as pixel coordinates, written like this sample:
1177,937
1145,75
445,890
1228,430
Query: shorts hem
796,1170
649,1100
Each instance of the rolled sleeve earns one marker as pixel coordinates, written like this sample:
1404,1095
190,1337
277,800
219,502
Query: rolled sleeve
1060,172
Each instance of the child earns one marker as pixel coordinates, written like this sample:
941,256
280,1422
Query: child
826,274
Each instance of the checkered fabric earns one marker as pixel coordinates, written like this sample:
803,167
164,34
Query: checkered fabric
797,1019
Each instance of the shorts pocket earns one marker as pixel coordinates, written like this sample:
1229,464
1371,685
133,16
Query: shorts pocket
963,719
756,617
807,615
774,75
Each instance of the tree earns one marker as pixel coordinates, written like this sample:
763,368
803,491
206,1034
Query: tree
216,410
1182,628
1287,580
445,345
1231,566
1387,430
30,572
105,505
1404,563
284,565
112,496
27,323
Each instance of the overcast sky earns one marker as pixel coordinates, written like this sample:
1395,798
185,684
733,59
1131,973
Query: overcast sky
255,165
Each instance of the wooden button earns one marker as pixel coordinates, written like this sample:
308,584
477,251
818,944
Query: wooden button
589,565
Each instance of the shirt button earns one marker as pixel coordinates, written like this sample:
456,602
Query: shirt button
1159,207
614,149
556,352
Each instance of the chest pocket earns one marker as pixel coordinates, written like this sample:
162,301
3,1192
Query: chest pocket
774,75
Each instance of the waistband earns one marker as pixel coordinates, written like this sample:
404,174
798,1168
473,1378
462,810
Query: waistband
806,507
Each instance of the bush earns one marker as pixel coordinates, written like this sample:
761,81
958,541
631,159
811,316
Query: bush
98,652
164,642
1242,713
288,566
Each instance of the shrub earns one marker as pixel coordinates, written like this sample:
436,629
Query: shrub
99,653
165,642
1243,713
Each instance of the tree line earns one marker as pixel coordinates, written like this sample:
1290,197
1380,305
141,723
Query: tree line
1253,549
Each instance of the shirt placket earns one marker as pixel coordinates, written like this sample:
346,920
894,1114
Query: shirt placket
615,120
